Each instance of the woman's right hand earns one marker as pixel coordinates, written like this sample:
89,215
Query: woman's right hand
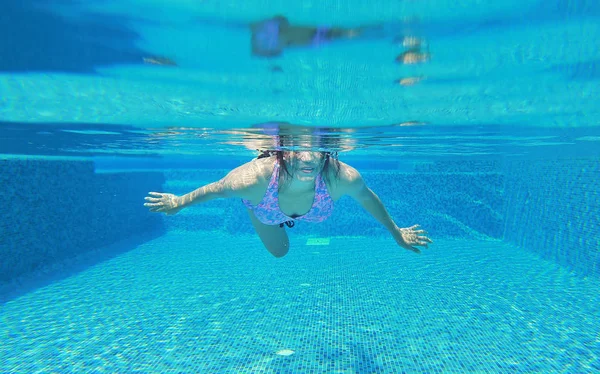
167,203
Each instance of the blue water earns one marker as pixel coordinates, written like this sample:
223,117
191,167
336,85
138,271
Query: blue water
494,150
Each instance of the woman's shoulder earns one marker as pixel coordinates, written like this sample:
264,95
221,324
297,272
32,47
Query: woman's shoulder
342,179
249,180
254,173
263,165
345,174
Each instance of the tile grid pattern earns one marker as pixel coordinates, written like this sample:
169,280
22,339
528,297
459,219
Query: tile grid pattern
552,207
170,305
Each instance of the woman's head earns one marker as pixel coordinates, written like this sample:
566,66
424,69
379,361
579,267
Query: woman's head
303,152
304,164
307,165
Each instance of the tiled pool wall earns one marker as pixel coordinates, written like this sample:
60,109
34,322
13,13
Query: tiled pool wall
55,210
446,200
552,207
59,209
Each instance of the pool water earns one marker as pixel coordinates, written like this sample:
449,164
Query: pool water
491,142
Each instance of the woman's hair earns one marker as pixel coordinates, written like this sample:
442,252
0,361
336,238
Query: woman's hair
331,160
286,137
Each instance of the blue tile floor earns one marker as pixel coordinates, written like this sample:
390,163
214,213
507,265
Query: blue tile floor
192,302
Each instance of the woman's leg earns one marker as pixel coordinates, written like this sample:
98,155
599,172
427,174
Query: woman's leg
273,237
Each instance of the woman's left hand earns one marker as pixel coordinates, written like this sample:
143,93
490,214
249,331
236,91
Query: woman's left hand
411,237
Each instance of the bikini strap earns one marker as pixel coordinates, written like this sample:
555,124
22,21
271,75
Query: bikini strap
320,185
274,182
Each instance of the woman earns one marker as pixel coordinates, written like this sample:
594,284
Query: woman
282,186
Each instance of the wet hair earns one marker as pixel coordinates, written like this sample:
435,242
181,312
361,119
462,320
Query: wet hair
331,160
286,136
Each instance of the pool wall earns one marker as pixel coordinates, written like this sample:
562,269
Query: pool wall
55,210
459,200
552,207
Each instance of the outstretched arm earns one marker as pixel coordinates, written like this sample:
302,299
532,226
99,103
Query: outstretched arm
168,203
408,238
240,182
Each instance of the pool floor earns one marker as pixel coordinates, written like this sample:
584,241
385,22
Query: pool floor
214,303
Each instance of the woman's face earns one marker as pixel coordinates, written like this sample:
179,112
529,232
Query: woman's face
304,165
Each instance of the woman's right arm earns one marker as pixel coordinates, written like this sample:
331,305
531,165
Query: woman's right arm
241,182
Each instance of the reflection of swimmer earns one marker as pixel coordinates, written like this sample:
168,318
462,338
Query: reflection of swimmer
414,53
270,37
413,56
409,81
283,186
158,60
274,135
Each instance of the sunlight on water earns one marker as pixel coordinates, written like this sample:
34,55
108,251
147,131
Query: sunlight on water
412,140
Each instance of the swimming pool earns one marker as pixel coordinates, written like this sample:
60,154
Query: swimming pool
491,145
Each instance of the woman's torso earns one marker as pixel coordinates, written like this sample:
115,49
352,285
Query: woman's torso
294,205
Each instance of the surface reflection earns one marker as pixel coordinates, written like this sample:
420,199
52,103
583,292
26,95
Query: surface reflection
409,139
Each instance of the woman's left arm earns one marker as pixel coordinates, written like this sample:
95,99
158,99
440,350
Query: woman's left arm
409,238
